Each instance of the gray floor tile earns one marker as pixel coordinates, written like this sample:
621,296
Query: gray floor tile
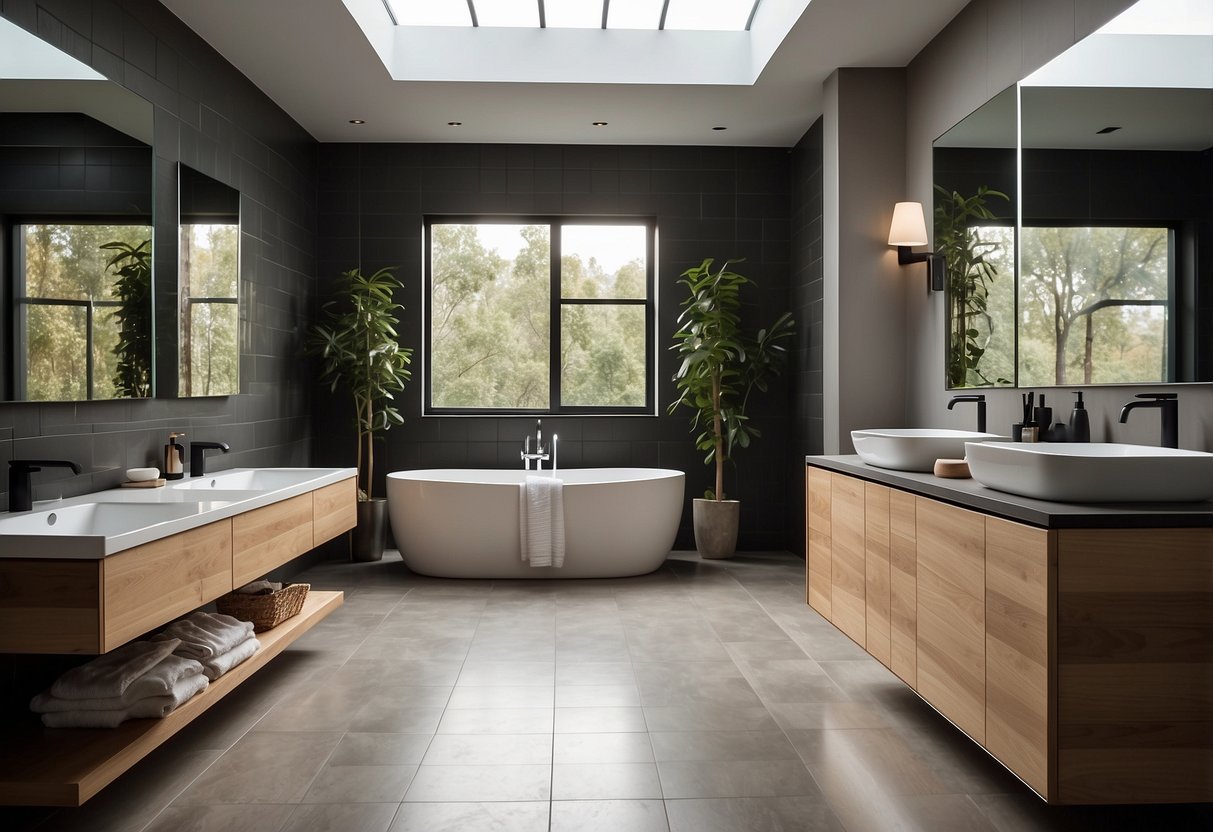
380,749
732,778
266,767
490,749
609,816
605,781
220,818
360,784
753,814
457,784
341,817
619,747
472,817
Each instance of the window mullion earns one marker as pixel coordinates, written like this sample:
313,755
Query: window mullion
554,342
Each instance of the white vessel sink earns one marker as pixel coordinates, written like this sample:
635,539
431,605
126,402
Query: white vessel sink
260,479
87,529
1079,472
914,449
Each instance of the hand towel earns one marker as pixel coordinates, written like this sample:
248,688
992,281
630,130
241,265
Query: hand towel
159,681
541,521
205,635
153,707
260,588
218,665
110,675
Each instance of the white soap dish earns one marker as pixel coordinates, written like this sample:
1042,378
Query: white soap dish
142,474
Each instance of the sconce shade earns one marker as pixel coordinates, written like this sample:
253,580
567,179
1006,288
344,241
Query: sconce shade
908,227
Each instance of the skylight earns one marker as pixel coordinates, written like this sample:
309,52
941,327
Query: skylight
672,15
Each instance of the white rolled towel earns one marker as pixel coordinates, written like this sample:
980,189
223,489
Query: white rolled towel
109,675
204,635
159,681
153,707
218,665
541,521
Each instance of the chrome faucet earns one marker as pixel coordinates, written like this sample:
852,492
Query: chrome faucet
981,408
540,454
1168,403
20,491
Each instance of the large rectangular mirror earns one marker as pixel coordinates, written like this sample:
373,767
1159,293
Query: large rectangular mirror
75,228
208,278
1114,246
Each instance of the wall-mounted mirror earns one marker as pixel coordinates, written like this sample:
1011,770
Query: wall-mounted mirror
75,228
1115,240
208,278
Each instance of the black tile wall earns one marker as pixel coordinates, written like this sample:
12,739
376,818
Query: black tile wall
708,202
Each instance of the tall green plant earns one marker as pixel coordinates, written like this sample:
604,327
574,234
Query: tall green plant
721,365
358,348
132,265
969,275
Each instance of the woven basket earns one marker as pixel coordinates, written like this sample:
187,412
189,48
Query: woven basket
265,611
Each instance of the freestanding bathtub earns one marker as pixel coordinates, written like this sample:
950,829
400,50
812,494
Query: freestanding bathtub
452,523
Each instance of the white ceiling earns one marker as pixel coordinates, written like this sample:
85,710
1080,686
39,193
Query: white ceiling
313,60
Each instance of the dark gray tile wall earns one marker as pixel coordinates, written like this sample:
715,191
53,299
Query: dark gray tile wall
806,293
708,202
212,118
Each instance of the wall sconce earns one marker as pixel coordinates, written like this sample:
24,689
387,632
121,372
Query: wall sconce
910,229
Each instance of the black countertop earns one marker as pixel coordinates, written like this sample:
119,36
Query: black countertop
973,495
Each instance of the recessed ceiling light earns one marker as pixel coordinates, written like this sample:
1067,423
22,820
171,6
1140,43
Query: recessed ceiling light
454,124
357,121
720,128
599,123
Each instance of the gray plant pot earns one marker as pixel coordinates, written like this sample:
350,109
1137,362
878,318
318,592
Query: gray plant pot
369,536
716,527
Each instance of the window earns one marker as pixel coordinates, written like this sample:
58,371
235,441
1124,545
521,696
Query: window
540,315
83,325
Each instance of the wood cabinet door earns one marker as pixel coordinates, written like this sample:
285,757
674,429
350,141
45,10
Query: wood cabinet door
817,532
265,538
951,670
903,586
1020,574
876,572
334,510
848,607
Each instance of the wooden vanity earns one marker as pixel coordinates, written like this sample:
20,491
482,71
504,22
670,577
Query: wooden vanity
1073,643
81,606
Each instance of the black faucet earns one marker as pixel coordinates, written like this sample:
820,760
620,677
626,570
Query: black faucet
198,456
981,408
1168,403
20,492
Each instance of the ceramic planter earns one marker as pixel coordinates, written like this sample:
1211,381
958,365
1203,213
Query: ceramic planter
369,536
716,527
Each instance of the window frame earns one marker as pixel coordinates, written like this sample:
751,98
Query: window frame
556,302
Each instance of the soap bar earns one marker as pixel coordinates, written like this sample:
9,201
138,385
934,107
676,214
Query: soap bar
953,469
157,483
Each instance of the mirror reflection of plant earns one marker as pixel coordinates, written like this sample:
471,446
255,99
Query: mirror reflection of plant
132,266
722,365
968,278
358,348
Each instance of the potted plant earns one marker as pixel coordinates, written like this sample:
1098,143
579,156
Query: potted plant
358,349
721,366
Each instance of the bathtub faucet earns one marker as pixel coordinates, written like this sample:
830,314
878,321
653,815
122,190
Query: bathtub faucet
541,453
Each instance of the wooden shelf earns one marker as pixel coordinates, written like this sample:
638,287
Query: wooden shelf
67,766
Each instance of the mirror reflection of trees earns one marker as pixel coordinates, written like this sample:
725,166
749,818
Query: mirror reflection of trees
209,327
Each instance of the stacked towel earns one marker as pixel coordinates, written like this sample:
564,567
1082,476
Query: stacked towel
260,588
218,665
204,635
136,680
541,521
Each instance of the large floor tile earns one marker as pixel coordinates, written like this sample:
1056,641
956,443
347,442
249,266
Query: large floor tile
732,778
341,817
497,721
529,816
220,818
609,816
605,781
360,784
722,745
457,784
269,767
380,749
587,720
618,747
490,749
753,814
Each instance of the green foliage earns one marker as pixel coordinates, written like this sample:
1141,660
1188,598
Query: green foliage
132,265
359,349
209,350
970,273
721,365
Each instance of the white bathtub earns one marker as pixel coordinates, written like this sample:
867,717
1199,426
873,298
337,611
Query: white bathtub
452,523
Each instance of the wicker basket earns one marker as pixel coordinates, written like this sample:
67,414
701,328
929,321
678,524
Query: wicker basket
265,611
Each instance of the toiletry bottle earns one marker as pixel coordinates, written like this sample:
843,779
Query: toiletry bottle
1043,417
174,457
1031,432
1080,421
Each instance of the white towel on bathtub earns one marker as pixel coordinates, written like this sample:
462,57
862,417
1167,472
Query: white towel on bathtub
541,521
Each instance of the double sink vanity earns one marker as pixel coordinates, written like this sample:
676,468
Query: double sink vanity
1061,615
88,574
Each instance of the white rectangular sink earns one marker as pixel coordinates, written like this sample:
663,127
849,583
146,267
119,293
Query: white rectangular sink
260,479
914,449
88,529
1079,472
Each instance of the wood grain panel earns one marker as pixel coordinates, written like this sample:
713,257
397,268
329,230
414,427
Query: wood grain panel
951,613
903,586
334,510
848,609
266,538
152,584
819,574
1135,665
819,500
876,579
1020,564
50,606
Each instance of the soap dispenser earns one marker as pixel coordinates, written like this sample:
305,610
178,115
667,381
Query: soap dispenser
174,457
1080,421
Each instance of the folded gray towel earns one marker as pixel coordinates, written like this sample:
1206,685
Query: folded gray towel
153,707
218,665
204,635
260,588
159,681
109,676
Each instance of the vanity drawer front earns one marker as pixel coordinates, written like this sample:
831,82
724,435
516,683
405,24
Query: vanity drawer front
848,604
152,584
49,606
334,510
266,538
